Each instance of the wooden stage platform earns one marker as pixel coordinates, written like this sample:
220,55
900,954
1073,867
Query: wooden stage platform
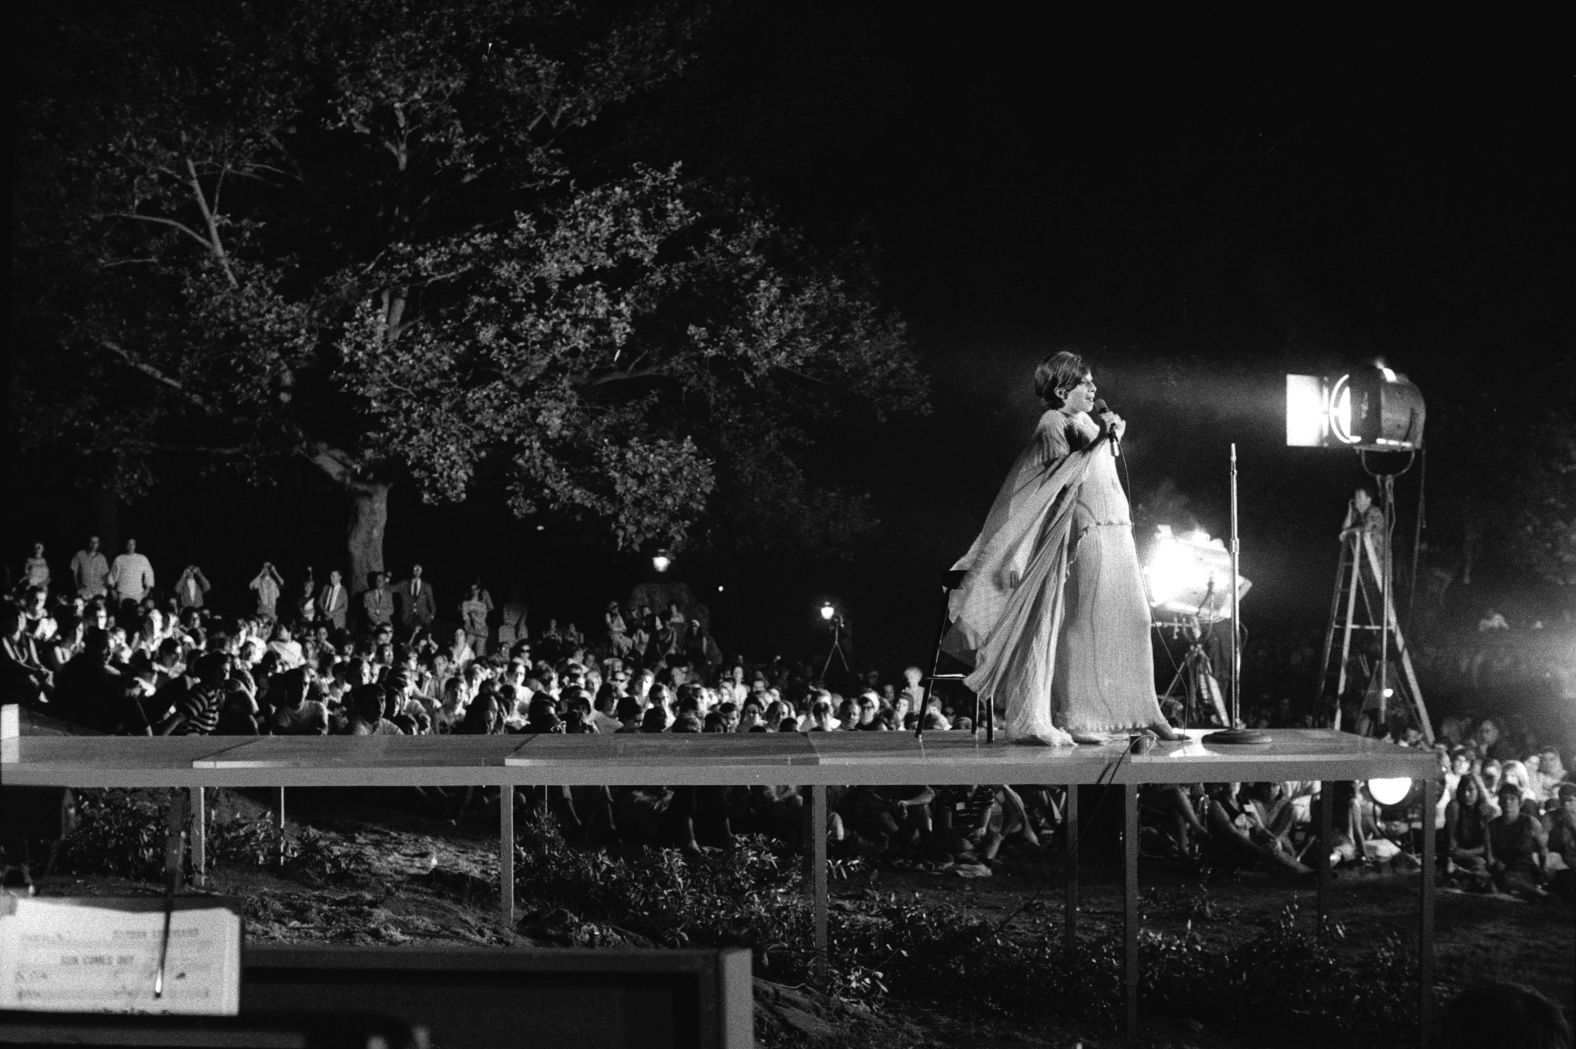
812,761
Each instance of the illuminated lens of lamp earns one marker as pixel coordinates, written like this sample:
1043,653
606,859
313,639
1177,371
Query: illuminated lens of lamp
660,561
1305,415
827,611
1341,410
1391,790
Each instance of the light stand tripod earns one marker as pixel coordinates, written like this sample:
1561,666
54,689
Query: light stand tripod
1196,675
837,647
1233,733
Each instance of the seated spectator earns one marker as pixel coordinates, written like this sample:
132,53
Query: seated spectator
893,819
1517,849
460,653
1515,774
23,677
820,718
1551,773
629,714
198,708
291,710
93,692
281,640
1466,832
238,711
366,713
1237,837
1560,828
866,710
969,827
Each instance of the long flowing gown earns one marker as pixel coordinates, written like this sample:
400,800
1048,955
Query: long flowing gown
1051,612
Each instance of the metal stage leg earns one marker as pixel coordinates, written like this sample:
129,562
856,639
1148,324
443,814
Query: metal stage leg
199,839
1130,908
506,855
815,878
1070,849
175,839
1326,836
1425,928
279,859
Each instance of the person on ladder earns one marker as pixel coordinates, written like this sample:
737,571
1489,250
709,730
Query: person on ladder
1365,519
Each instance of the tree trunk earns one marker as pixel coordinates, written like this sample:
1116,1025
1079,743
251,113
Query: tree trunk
106,521
369,514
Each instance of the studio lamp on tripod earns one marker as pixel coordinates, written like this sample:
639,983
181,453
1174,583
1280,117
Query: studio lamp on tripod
1189,595
837,624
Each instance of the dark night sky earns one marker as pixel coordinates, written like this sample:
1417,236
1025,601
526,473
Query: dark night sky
1202,208
1203,212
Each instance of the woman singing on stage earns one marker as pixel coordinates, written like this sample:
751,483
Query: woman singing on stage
1051,612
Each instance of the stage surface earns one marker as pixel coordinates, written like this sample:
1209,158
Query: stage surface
38,754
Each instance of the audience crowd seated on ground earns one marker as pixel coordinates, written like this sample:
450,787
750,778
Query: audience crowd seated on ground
102,645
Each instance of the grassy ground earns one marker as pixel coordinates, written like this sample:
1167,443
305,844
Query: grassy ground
380,876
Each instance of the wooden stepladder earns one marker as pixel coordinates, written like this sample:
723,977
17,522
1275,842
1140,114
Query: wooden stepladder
1364,604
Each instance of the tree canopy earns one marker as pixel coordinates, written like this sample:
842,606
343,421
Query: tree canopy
367,236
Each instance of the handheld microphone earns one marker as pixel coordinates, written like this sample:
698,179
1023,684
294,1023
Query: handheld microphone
1100,408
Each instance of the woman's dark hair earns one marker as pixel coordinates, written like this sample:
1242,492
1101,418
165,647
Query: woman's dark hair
1059,371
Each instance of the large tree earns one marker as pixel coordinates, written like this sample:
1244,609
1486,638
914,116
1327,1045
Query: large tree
366,236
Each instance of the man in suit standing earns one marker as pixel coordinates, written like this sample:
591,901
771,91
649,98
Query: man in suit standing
333,601
376,603
416,603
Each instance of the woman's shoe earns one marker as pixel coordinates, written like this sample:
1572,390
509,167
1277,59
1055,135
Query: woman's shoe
1164,732
1084,739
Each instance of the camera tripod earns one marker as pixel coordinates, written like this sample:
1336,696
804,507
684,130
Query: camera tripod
1196,675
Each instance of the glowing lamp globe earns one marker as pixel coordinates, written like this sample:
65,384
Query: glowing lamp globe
1390,790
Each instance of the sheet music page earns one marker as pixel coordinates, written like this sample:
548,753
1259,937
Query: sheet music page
80,955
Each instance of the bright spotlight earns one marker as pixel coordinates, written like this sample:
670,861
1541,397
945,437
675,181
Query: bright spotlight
660,560
1189,575
827,611
1372,408
1390,790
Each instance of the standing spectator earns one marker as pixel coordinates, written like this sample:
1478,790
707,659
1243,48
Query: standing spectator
306,597
35,570
333,601
191,587
89,571
416,604
377,605
130,574
700,649
511,621
618,639
268,584
474,610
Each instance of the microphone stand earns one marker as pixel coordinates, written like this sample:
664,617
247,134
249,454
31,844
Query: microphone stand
1235,734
